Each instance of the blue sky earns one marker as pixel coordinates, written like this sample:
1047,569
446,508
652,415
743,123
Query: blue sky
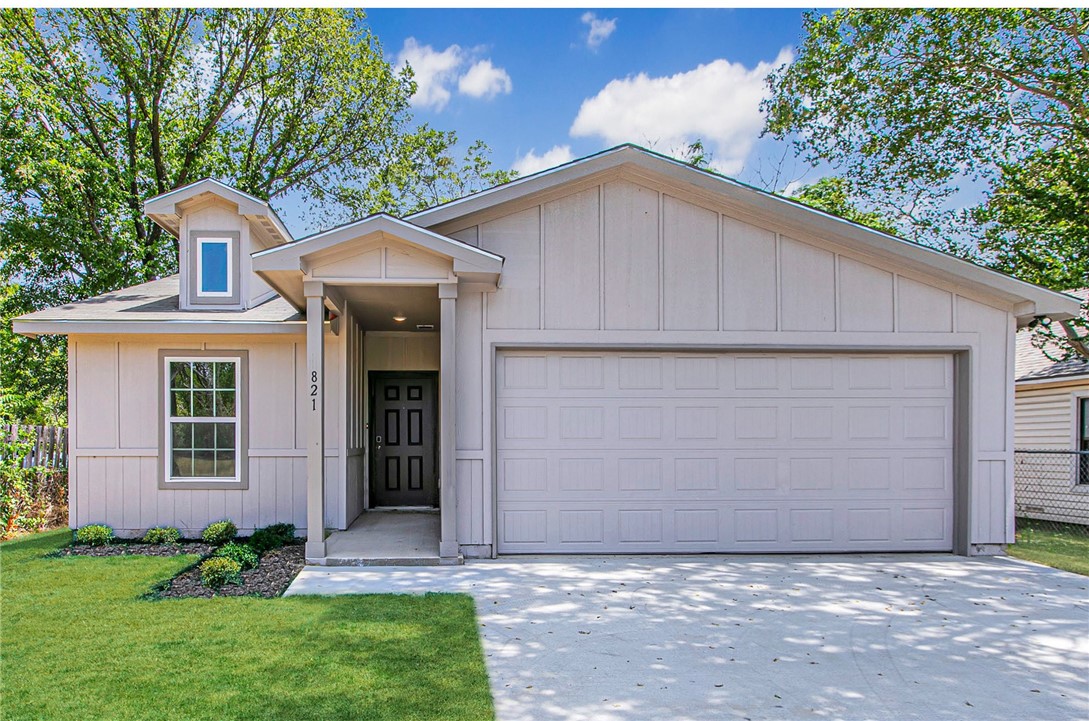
545,86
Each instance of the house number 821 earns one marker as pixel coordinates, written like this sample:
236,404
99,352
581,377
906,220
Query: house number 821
313,390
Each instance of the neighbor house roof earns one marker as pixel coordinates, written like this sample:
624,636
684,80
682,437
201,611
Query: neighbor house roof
1034,365
1033,300
152,307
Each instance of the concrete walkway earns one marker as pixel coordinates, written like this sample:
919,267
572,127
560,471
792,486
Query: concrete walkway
766,637
386,538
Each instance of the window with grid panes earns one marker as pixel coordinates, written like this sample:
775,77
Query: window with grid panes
202,432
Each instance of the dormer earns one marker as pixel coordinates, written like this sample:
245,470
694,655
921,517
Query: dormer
218,228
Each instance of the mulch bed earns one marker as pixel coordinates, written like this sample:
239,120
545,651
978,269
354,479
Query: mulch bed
275,572
271,578
137,549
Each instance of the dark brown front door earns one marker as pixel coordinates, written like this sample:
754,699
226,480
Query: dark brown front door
403,414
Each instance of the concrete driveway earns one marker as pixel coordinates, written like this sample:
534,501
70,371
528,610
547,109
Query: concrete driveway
766,637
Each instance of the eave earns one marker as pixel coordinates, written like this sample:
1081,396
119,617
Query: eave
1026,300
286,268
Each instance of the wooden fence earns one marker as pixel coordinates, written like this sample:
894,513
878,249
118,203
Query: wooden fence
50,449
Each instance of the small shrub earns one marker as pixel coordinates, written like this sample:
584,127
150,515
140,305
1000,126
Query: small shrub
30,498
94,534
219,533
272,537
216,571
162,534
285,531
245,556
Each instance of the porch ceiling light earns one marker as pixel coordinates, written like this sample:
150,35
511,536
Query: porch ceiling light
400,318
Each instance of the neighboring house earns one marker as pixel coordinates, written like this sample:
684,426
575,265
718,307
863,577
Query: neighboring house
1051,414
622,354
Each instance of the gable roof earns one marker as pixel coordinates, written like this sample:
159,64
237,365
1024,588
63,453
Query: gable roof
377,223
1031,300
280,266
164,211
1032,364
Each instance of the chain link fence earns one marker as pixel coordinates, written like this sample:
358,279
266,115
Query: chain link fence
1051,490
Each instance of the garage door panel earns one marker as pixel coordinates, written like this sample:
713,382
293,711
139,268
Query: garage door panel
748,527
648,452
577,476
730,423
635,375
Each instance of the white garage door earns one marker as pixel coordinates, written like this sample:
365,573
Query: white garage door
639,452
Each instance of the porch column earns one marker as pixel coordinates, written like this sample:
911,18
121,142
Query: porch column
315,419
448,543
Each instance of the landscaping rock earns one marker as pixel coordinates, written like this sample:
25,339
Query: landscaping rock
271,578
138,549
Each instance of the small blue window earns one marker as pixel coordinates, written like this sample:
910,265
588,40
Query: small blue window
215,266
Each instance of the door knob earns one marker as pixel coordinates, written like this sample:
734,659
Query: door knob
378,442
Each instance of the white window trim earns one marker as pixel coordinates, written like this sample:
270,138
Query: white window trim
1076,399
201,241
167,440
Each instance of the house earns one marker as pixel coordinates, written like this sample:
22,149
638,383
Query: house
621,354
1051,419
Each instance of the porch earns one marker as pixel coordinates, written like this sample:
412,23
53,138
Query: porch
380,276
387,538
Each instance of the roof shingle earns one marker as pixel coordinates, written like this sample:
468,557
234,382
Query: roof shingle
1032,364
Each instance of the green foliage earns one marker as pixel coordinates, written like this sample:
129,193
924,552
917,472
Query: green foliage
219,532
243,555
419,657
907,104
420,173
272,537
695,154
1036,226
102,108
94,534
217,571
162,534
16,484
1059,545
832,195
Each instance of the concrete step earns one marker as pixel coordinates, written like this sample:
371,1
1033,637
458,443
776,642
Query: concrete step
406,561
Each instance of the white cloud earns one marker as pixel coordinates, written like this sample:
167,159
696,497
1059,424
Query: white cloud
718,103
531,162
436,72
432,71
484,80
600,29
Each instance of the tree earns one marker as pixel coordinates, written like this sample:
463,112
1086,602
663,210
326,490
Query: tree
101,109
832,195
907,105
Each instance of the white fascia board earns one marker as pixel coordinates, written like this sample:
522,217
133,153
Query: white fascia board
160,327
1044,302
520,187
164,207
289,257
166,202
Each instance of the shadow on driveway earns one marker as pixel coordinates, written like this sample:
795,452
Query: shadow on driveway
882,636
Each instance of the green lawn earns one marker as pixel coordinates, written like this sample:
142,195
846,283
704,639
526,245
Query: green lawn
77,642
1053,544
